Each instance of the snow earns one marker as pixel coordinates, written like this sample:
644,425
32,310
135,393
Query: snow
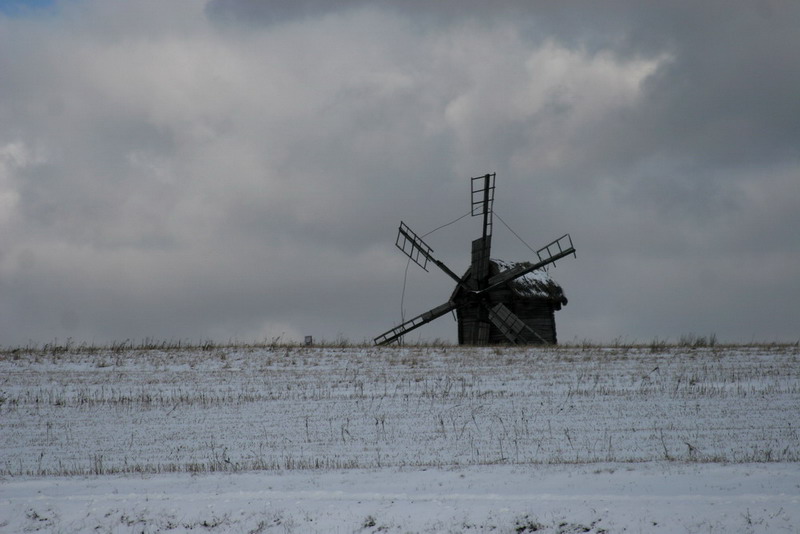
417,439
536,283
649,497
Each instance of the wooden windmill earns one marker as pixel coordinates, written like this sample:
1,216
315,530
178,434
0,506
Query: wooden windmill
495,301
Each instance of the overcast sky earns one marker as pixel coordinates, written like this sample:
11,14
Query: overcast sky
237,170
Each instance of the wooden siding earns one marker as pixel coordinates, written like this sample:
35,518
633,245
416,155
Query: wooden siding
537,314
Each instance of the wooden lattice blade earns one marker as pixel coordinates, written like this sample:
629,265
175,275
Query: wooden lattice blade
416,322
547,255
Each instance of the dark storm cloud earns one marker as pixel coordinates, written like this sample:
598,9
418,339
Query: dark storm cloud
727,98
732,71
238,170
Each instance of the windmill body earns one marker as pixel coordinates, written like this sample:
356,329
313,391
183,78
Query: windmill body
495,301
532,298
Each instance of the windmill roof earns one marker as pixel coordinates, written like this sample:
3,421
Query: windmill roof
536,284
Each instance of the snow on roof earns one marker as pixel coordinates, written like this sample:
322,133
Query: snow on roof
536,284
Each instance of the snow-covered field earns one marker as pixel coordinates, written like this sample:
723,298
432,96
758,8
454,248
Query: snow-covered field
414,439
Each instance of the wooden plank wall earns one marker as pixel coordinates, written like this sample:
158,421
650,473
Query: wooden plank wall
538,314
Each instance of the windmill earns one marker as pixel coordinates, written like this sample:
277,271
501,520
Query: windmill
495,301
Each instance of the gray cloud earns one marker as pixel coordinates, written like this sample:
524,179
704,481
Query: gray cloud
238,170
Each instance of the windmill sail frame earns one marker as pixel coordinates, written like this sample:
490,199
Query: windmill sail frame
481,298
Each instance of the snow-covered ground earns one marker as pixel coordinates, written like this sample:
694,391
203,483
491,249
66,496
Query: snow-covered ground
649,497
580,439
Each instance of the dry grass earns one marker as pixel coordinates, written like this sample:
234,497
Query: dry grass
249,407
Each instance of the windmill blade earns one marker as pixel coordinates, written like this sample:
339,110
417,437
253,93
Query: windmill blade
511,326
482,202
483,199
420,253
416,322
548,254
